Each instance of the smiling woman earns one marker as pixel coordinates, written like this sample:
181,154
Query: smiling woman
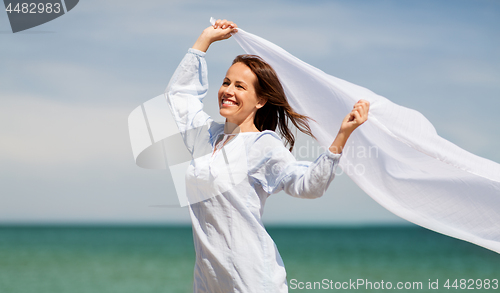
234,252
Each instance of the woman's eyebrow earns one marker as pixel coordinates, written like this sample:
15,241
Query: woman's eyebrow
236,82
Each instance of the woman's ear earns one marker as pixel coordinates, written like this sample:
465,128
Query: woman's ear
261,103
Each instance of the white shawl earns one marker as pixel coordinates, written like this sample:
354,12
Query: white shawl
396,157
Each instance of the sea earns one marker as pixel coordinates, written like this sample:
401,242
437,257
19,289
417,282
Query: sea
147,259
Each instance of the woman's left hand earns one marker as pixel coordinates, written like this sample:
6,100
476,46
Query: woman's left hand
358,116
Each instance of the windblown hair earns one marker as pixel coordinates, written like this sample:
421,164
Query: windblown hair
276,113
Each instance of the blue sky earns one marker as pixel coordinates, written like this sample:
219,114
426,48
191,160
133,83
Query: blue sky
68,86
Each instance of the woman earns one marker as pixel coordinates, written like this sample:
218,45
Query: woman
234,253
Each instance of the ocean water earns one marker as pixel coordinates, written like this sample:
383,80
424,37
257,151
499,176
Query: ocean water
161,259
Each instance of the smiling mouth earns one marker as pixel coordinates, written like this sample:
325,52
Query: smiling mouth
228,103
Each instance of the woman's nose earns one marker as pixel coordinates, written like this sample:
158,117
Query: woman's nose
229,90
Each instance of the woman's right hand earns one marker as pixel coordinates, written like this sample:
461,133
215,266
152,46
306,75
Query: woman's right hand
221,30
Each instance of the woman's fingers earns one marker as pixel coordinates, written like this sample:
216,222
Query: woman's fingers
224,23
359,113
362,106
221,30
356,117
227,27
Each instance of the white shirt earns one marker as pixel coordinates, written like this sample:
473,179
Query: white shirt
234,253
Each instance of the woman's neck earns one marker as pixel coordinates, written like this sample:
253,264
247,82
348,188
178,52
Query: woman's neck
230,127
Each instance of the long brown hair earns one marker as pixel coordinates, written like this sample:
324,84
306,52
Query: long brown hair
276,112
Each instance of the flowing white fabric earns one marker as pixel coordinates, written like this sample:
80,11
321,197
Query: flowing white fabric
396,157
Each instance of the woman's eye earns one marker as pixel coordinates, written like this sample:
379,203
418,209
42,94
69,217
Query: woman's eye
225,83
240,86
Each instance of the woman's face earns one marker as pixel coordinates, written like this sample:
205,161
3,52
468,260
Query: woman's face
238,101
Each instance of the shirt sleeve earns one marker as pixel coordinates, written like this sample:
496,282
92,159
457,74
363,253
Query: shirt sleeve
273,167
185,92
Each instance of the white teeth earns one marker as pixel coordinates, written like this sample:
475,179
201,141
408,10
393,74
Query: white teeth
227,102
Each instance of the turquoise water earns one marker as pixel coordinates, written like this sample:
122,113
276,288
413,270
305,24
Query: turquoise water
161,259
